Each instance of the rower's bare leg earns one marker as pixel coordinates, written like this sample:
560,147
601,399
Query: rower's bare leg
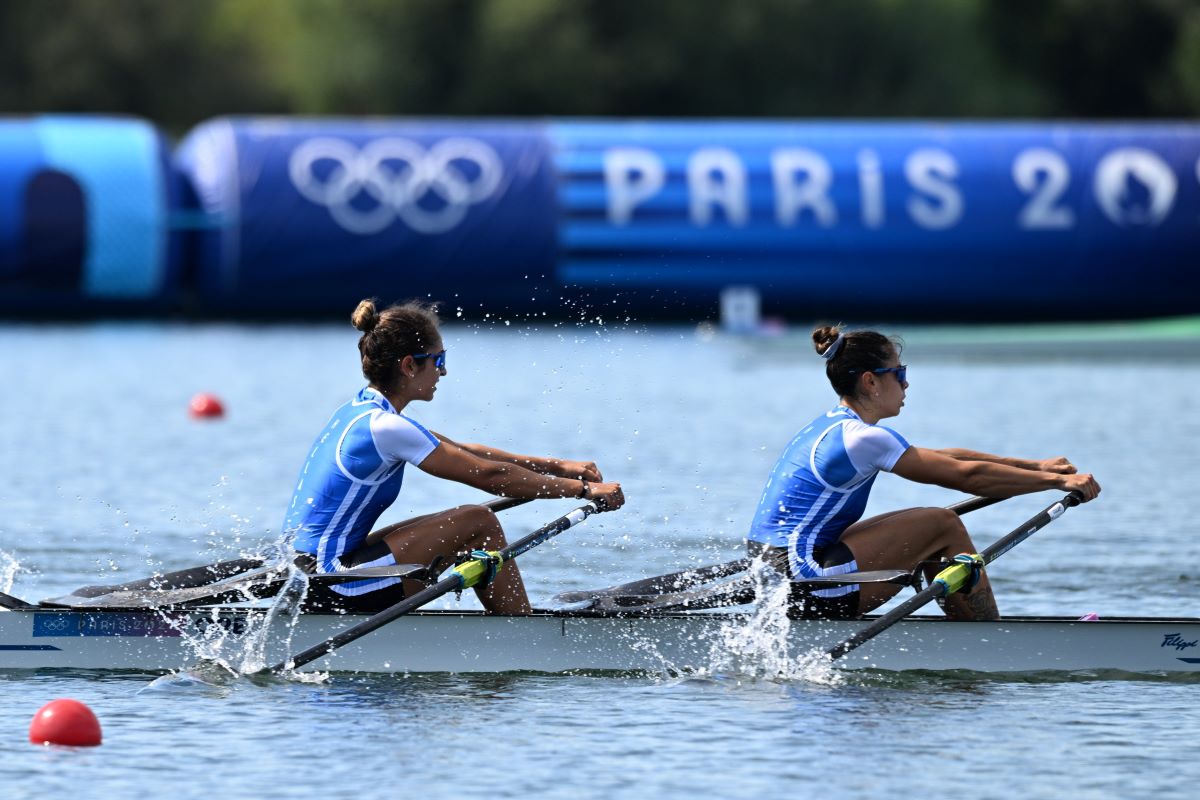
903,539
382,533
449,533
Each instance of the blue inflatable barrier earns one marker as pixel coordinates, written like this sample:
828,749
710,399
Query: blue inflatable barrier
310,216
886,220
84,216
846,220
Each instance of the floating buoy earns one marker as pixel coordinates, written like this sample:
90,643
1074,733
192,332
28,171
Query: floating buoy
65,722
206,406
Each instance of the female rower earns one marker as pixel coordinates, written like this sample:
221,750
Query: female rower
807,522
356,466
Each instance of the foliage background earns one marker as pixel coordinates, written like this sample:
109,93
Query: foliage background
178,62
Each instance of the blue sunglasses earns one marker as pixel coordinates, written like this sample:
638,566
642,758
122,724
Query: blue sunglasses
901,372
439,358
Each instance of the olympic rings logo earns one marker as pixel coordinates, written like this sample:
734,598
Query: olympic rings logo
398,177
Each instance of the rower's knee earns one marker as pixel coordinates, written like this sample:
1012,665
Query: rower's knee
481,521
953,532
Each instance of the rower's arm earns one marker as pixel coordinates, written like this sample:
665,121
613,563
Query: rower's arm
1058,464
456,462
559,467
986,478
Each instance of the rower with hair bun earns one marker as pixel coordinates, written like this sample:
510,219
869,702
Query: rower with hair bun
808,519
356,466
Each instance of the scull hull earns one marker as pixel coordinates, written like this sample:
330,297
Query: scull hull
446,641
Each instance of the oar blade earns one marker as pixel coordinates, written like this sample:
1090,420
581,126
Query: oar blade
734,593
659,584
179,579
257,583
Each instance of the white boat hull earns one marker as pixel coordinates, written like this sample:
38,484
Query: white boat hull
445,641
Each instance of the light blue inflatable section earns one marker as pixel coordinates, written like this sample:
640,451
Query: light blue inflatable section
20,154
118,165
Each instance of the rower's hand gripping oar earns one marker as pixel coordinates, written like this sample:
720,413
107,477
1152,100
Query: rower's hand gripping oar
463,576
959,574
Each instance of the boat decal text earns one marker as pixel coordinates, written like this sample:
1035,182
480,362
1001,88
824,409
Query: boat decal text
1178,642
109,623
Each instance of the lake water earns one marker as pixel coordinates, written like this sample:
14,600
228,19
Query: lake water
105,478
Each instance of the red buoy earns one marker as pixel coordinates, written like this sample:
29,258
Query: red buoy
66,722
206,406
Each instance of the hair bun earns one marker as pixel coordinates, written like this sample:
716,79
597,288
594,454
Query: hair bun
824,338
365,317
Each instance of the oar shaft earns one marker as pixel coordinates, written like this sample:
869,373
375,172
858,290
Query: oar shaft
973,504
548,531
499,504
429,594
1032,526
937,589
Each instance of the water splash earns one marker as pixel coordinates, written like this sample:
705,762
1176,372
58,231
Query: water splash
9,567
242,645
758,646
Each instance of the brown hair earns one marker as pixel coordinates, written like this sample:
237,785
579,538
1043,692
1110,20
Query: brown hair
858,352
401,330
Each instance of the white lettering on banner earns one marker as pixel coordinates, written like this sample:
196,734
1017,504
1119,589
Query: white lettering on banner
812,193
932,171
717,178
870,184
1134,187
1044,175
632,176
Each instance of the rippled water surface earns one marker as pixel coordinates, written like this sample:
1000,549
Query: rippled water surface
106,478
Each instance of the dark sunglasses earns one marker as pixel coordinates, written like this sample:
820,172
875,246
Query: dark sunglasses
901,372
439,358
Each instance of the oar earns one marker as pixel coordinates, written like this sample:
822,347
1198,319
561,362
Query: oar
462,577
736,592
952,578
186,585
258,583
13,603
659,584
690,578
720,595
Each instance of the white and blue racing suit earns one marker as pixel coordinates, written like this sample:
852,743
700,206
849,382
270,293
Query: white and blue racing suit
819,488
353,473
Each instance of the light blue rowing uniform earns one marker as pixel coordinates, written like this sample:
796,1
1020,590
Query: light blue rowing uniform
354,472
819,488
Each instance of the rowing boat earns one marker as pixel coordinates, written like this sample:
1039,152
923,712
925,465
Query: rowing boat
567,641
656,624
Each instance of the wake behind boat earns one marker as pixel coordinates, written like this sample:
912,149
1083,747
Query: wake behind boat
569,641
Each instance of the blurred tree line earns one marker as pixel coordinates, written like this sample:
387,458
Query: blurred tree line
177,62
